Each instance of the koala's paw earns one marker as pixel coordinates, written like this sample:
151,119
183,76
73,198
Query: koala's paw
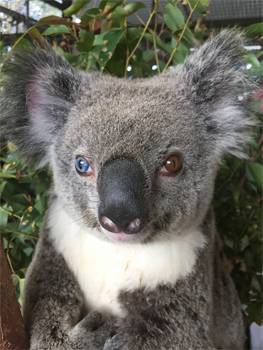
117,342
91,332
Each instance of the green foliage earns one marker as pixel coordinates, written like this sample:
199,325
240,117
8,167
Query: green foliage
255,29
173,17
56,29
75,7
24,193
238,206
103,40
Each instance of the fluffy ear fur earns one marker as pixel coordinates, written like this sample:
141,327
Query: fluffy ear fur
213,78
39,90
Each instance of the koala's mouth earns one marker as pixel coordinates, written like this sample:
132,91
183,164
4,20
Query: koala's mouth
121,236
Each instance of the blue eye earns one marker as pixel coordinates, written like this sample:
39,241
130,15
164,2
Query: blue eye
82,166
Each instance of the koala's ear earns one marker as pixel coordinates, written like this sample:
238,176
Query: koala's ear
213,78
39,89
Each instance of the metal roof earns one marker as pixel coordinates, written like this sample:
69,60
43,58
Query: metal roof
235,11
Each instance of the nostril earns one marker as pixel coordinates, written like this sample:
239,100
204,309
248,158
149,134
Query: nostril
109,225
134,226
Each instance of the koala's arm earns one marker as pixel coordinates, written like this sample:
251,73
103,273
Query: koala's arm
169,317
54,306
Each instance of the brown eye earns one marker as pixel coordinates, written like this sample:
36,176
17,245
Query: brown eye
172,165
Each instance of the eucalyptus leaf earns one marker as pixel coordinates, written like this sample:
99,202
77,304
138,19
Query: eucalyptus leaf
56,29
244,243
133,33
181,52
103,3
99,40
199,5
256,170
7,175
3,217
255,29
166,47
252,58
90,15
86,40
173,17
133,7
75,7
148,55
113,37
118,13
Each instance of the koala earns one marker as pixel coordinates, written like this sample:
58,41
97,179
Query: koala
129,257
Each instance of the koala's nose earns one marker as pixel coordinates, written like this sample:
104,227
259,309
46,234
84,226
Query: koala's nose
121,187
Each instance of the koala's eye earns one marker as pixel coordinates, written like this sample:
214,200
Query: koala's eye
83,166
172,165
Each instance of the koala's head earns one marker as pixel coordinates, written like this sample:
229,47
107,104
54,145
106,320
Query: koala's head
135,158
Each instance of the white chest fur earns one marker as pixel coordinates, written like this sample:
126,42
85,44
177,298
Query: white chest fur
103,268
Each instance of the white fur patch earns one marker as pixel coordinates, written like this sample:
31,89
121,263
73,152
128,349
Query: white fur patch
104,268
235,129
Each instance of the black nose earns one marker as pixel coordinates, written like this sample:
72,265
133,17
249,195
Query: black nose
121,187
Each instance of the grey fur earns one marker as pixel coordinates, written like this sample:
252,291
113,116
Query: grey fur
39,84
54,306
192,109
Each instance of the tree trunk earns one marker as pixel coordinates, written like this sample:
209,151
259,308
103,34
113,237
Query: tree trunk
12,332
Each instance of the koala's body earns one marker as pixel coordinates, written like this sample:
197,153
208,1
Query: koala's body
129,257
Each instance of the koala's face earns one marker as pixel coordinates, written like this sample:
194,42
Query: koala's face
136,159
